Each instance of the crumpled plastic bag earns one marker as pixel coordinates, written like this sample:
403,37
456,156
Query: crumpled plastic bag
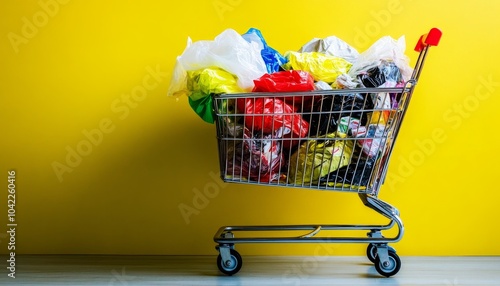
204,82
385,74
273,116
385,49
332,46
356,175
203,107
317,158
372,139
273,59
321,85
331,108
322,67
345,81
291,80
211,80
254,158
228,51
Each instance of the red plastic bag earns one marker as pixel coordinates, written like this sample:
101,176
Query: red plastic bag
273,116
291,80
256,159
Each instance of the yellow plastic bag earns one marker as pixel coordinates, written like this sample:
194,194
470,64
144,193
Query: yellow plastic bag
204,82
322,67
319,157
211,80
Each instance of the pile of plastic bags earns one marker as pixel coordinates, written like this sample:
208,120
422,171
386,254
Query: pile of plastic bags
329,140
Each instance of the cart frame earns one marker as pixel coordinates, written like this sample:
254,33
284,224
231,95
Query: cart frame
386,261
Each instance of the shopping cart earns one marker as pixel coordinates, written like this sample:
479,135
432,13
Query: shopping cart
349,139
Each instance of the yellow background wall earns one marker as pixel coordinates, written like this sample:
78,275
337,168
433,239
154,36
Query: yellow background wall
67,72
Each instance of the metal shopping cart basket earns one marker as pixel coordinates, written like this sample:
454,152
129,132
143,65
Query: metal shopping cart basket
346,147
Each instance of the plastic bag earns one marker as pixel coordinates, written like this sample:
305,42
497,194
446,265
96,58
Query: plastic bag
203,107
347,124
385,49
371,139
273,116
356,175
285,81
273,59
202,83
322,67
253,158
385,74
317,158
345,81
211,81
332,46
331,108
228,51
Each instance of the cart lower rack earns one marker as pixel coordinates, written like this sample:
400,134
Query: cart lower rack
334,140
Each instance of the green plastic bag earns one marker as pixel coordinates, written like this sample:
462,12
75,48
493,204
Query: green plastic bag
205,82
319,157
322,67
203,107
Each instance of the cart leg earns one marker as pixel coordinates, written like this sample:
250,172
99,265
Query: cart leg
229,260
225,249
225,253
387,262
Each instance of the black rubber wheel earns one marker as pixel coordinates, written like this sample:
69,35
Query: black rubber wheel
371,252
232,266
392,267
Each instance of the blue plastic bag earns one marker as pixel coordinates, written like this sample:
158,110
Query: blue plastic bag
271,57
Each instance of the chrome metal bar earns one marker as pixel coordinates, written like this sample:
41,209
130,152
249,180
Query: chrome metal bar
225,235
312,233
310,93
304,240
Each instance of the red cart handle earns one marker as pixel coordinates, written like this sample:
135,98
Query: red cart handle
430,39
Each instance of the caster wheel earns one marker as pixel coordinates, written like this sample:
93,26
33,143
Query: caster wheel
391,267
371,252
232,266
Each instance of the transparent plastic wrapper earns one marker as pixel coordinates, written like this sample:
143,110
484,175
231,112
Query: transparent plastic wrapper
317,158
385,49
228,51
273,59
332,46
322,67
254,158
204,82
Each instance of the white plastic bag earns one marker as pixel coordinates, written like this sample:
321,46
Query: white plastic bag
385,49
228,51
